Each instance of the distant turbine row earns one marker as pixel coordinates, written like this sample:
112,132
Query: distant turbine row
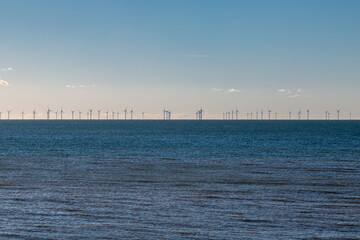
234,115
167,115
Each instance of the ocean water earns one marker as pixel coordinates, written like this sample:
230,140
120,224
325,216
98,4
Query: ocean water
174,179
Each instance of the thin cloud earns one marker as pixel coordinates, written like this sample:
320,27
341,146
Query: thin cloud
7,69
233,90
4,83
78,86
294,96
283,90
217,89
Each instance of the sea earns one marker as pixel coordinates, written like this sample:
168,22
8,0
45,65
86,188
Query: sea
179,179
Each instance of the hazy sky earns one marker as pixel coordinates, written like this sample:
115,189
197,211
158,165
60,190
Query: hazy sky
182,55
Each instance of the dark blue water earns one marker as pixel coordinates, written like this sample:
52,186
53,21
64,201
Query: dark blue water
179,179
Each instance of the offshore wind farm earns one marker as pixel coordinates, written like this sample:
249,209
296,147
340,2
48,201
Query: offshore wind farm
118,115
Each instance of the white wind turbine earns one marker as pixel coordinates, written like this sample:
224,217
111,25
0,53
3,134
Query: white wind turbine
8,112
48,113
99,113
338,114
22,115
61,114
34,114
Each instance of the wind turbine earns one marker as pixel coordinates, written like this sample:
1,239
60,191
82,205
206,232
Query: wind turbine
142,114
237,114
8,112
34,114
338,114
56,114
48,113
72,114
262,114
125,112
257,115
61,114
131,114
349,115
22,115
269,113
326,115
308,114
80,115
275,115
299,114
113,115
289,115
90,110
99,113
0,115
107,114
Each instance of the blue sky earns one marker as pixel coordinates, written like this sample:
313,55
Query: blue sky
282,55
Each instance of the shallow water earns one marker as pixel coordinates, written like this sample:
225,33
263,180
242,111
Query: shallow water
179,179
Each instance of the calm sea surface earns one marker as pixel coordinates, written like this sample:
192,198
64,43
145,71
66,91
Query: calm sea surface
179,179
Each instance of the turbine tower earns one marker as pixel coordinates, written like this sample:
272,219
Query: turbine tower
22,115
72,114
80,115
99,113
237,114
125,112
289,115
308,114
299,114
338,114
61,114
269,111
131,114
90,110
326,115
107,114
34,114
0,115
262,114
48,113
8,112
142,114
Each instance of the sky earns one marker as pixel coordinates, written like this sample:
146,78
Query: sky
180,55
